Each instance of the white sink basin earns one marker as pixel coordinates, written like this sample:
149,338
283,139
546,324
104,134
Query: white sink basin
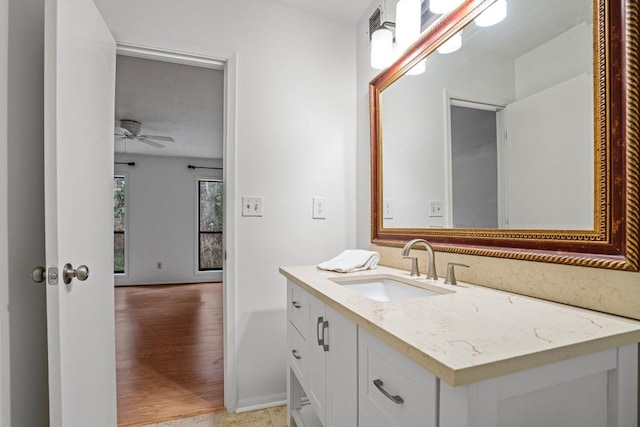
388,288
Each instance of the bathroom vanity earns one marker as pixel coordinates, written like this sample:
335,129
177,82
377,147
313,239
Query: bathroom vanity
457,356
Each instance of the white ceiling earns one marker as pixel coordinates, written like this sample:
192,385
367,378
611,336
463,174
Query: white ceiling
341,10
176,100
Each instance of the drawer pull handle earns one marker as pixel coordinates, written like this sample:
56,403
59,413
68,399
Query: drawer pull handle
395,399
319,326
296,355
296,304
325,342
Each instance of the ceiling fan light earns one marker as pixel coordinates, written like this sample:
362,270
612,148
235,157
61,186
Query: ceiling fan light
381,48
408,16
451,45
443,6
493,14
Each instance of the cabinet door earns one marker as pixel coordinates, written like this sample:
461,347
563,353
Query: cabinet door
393,390
342,371
317,368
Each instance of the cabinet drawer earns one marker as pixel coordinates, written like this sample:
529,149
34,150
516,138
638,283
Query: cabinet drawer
298,308
298,354
393,390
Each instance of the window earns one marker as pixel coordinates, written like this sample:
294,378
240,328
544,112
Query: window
119,210
209,225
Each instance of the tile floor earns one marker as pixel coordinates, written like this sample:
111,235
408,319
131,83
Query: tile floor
271,417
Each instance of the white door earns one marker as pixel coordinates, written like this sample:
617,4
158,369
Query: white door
79,110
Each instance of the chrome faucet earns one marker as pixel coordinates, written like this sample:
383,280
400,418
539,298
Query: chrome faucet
415,272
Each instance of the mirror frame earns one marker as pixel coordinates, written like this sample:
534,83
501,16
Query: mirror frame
613,243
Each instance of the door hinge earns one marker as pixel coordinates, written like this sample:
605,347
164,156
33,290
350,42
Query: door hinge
52,276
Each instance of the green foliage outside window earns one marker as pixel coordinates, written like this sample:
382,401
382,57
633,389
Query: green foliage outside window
119,210
210,224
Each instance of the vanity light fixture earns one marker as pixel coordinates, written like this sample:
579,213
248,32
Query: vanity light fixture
381,48
443,6
408,17
384,48
493,14
451,45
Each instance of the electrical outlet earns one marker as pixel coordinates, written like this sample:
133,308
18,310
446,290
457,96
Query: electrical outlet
387,209
251,206
435,208
319,208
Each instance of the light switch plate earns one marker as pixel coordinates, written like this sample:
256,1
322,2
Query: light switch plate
387,209
251,206
435,208
319,208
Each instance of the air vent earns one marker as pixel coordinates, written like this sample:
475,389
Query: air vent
385,12
374,21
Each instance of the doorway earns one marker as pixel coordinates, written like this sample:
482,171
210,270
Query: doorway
476,162
169,149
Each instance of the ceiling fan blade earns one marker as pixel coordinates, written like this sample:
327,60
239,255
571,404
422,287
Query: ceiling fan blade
150,142
122,130
158,137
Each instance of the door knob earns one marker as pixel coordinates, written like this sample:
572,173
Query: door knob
68,273
39,274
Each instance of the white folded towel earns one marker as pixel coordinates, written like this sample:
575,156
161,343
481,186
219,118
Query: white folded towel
352,260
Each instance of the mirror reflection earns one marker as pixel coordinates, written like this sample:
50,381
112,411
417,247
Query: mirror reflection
498,131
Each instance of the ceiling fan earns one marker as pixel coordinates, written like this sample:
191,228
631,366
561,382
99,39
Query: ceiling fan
131,130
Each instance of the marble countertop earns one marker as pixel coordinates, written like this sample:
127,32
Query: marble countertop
474,333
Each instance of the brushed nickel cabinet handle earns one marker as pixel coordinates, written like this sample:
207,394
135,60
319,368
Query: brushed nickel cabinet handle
320,325
296,304
325,342
395,399
295,354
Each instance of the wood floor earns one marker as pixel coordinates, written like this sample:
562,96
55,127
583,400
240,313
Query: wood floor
168,352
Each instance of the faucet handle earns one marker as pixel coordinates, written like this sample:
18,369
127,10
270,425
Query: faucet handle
451,274
415,271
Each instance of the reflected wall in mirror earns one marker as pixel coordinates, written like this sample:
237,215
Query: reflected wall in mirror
512,142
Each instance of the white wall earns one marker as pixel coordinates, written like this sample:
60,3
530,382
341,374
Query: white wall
5,390
364,74
561,97
161,215
561,197
295,140
25,213
533,70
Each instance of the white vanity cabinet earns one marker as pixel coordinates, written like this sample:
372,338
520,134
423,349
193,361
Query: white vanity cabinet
341,375
322,363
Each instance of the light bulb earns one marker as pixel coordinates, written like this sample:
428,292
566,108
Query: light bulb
451,45
381,48
493,14
443,6
417,69
408,18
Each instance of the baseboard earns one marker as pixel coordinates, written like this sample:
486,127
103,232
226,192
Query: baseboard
256,403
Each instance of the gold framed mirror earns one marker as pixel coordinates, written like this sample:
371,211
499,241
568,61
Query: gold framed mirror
561,203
